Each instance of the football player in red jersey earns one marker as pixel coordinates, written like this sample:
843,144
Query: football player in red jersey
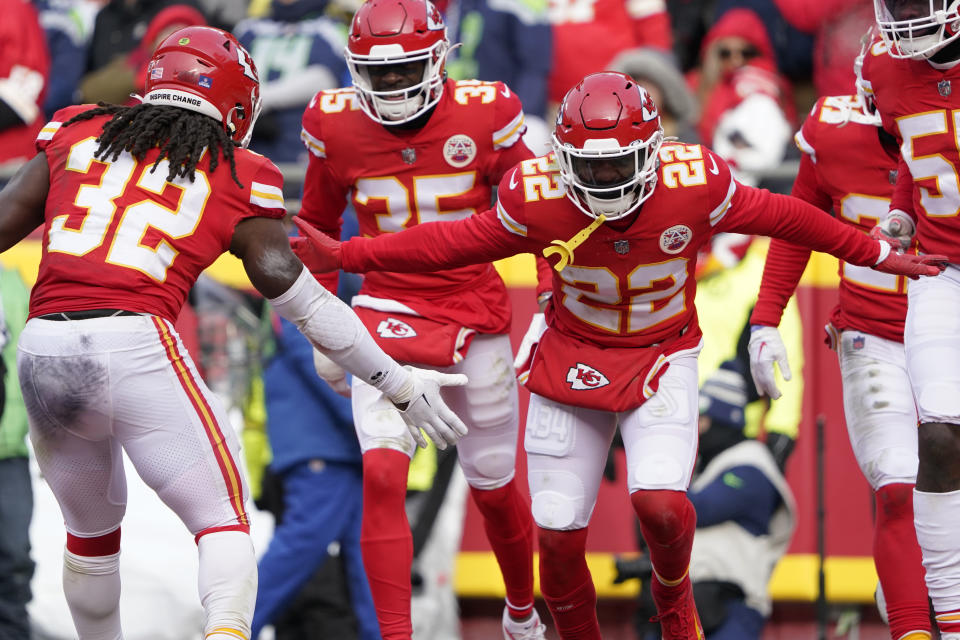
135,202
849,166
622,337
406,146
911,75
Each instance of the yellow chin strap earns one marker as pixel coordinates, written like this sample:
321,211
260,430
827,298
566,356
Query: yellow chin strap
565,249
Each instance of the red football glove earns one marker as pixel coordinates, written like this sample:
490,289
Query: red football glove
912,266
318,251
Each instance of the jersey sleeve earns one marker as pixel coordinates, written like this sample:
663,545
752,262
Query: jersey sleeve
49,130
903,191
266,193
760,212
508,129
324,195
786,261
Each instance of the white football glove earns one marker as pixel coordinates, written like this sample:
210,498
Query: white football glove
331,373
538,325
765,348
421,407
898,226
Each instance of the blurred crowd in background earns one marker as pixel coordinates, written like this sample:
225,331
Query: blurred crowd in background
736,75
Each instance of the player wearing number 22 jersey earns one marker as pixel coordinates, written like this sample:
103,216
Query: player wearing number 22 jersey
405,146
849,168
621,215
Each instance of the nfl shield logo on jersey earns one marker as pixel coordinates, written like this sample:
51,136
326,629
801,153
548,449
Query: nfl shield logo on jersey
583,376
409,155
676,238
944,88
459,150
621,246
859,342
393,328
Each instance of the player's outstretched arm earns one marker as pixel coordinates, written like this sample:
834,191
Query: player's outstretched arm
426,247
22,201
334,329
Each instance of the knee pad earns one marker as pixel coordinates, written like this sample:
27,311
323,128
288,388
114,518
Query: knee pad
664,515
895,465
558,500
658,469
490,468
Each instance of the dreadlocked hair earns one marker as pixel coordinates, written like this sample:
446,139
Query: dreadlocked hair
181,136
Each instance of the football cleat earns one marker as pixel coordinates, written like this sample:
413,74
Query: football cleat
676,611
529,629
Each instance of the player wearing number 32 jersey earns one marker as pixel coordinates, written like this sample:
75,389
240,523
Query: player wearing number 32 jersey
135,202
621,215
406,146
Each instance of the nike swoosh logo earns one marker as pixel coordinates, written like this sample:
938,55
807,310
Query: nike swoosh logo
513,180
714,170
505,92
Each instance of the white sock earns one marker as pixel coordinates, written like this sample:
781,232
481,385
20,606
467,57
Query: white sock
228,584
937,520
91,585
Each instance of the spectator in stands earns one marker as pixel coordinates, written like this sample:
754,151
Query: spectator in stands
127,74
747,106
836,26
588,34
298,52
316,455
24,71
659,75
745,514
68,25
506,41
16,494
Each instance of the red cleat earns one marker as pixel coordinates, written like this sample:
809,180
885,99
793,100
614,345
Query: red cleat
677,613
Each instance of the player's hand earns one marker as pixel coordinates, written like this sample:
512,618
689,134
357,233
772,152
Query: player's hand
331,373
912,266
318,251
422,407
765,348
530,339
897,229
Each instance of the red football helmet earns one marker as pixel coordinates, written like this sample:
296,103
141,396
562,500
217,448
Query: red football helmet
606,141
206,70
397,32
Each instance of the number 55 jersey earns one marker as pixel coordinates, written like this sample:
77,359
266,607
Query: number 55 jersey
118,235
399,177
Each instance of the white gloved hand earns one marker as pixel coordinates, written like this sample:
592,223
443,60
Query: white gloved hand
899,226
421,407
766,347
538,325
331,373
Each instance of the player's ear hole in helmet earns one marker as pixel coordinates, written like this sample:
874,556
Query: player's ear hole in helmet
396,52
606,140
917,29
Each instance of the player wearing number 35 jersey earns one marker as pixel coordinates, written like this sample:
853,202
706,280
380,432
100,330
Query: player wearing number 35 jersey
621,215
406,146
135,202
849,167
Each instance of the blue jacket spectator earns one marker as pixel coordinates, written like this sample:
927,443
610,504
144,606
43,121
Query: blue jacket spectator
317,456
298,52
506,40
68,25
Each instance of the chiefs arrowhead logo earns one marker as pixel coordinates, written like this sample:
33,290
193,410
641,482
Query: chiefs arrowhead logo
584,376
393,328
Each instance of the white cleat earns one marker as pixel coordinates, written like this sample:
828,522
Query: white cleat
529,629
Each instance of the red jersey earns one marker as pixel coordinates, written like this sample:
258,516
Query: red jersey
397,178
846,169
24,69
119,236
917,105
630,285
607,27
